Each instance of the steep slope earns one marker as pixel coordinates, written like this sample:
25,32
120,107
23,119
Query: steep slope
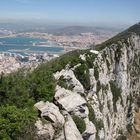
108,87
83,95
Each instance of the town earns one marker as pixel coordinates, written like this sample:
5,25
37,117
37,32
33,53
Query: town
11,62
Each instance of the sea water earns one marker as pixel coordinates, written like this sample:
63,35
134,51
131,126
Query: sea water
23,44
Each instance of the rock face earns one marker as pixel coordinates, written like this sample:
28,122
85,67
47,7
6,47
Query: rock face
44,131
51,111
68,74
68,100
71,131
107,107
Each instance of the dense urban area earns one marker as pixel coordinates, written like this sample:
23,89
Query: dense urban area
10,62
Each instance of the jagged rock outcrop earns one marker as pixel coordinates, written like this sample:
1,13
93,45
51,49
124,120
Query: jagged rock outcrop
50,111
106,107
69,100
44,131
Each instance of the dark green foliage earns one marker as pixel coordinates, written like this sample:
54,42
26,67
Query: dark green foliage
129,128
91,114
108,121
108,64
80,123
98,123
82,74
120,37
96,72
108,105
90,57
118,53
16,123
92,117
98,86
116,92
19,91
64,83
122,138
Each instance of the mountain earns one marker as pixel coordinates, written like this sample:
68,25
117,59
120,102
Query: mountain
83,95
76,30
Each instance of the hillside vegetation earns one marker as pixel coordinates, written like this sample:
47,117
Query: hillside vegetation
19,91
123,36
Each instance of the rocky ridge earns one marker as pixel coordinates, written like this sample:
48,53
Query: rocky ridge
100,104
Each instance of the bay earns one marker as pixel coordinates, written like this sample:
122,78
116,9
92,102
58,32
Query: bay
26,44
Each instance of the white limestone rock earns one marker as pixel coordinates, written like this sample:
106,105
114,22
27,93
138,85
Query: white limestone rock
94,51
44,131
71,131
83,57
90,132
51,111
69,76
68,99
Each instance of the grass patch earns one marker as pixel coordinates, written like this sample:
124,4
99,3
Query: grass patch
80,123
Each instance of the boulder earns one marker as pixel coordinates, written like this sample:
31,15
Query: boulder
68,100
44,131
50,111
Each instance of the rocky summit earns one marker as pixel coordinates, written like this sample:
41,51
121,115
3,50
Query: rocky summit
95,93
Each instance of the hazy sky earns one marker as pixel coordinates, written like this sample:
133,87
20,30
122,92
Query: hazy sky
84,11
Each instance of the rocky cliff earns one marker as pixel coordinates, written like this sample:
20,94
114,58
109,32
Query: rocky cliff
97,98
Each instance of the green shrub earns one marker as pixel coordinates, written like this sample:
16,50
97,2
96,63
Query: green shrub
90,57
82,74
98,86
80,123
123,36
129,128
108,64
22,89
116,92
92,117
65,83
16,123
62,82
91,114
96,72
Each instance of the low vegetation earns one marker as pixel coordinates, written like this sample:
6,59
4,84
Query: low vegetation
116,92
123,36
92,117
21,90
96,72
80,123
82,74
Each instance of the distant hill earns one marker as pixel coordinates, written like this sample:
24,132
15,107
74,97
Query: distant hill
74,30
123,36
56,29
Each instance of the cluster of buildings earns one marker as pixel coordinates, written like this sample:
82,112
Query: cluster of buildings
82,40
10,62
